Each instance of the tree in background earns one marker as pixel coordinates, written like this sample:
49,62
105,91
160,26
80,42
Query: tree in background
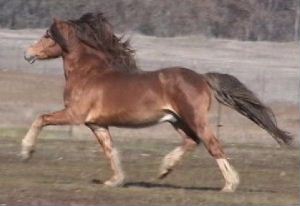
272,20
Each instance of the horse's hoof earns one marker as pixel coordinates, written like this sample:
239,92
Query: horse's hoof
227,190
26,155
110,183
164,173
115,182
229,187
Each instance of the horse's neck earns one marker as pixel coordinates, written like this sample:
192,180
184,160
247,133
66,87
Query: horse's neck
83,62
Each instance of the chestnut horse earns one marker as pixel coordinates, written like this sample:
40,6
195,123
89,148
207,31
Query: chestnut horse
105,88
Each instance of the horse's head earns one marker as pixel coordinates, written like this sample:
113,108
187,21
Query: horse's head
91,32
53,43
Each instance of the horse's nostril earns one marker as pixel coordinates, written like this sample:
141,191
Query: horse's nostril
30,58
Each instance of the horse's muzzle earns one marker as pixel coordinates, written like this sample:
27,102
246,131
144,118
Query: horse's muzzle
30,58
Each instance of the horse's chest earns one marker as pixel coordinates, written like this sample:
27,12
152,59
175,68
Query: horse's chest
73,92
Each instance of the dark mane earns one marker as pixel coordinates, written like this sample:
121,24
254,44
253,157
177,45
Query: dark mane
95,31
57,37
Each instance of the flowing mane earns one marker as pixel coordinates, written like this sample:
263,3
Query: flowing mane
94,30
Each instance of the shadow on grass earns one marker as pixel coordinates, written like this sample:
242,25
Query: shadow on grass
156,185
171,186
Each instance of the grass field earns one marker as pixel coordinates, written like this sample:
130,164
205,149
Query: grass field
70,172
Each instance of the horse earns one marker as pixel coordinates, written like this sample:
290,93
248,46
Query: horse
105,88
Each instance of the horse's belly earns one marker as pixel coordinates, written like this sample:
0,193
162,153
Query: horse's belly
132,117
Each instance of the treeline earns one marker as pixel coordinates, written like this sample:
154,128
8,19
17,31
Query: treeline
273,20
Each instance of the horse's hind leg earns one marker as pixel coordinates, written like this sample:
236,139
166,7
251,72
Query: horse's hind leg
103,136
172,158
29,141
214,148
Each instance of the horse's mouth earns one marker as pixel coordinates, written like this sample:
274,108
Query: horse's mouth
30,59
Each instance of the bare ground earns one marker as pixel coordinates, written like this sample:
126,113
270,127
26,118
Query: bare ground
70,172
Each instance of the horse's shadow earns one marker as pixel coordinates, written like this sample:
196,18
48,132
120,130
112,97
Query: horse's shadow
158,185
171,186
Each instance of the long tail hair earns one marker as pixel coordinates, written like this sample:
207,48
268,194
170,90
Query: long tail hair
231,92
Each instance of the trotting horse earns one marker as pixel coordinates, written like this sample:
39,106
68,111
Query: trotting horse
105,88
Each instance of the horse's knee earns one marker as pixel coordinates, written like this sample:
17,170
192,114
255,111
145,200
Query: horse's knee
38,122
41,121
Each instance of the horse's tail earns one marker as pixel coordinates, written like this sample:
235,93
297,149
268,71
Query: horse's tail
231,92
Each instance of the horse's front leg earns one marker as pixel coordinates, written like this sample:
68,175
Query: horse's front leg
57,118
104,138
